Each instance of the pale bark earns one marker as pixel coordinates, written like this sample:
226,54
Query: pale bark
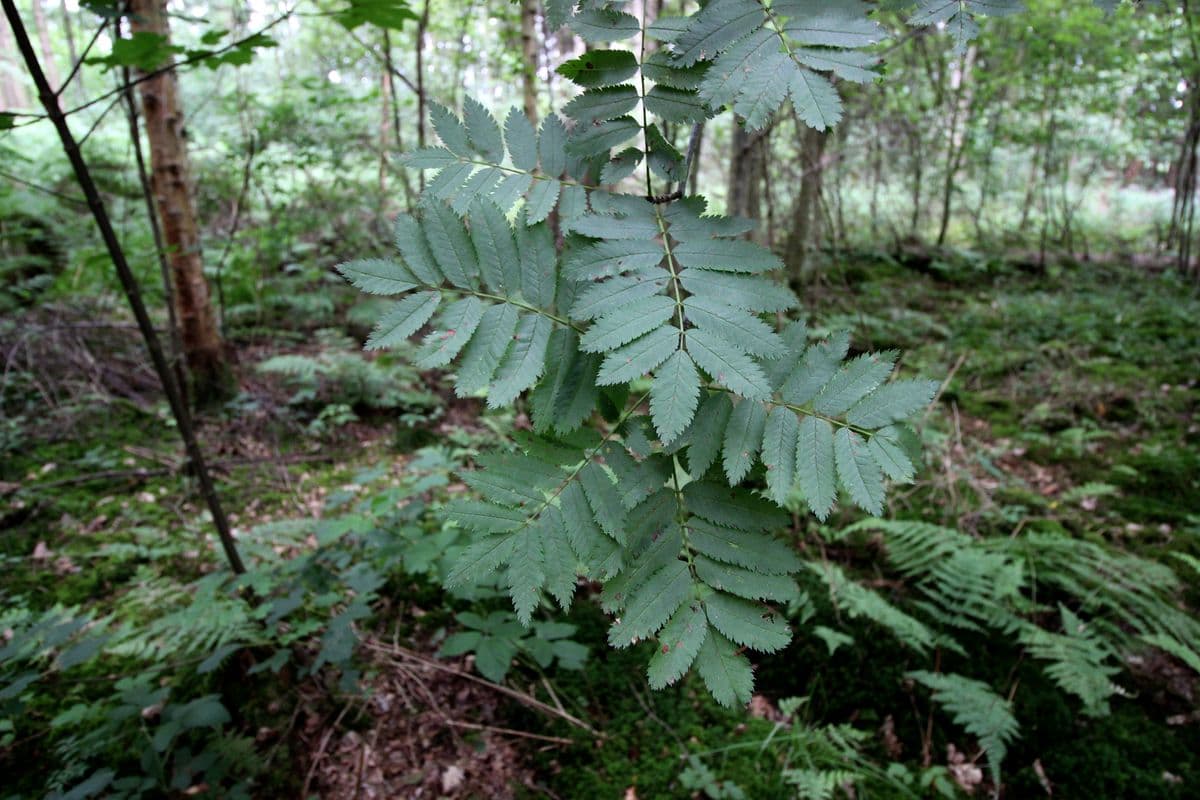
49,65
171,183
12,91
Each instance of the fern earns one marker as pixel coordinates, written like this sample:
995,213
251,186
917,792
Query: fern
980,711
1111,603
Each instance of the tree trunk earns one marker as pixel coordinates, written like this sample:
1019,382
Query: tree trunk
529,60
746,173
12,90
49,65
69,30
170,179
804,210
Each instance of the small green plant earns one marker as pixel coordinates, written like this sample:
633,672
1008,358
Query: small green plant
498,638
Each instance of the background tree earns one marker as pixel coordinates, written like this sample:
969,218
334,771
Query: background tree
171,181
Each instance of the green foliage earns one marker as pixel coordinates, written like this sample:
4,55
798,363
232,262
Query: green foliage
498,638
984,714
640,288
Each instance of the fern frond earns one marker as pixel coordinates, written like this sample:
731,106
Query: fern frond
980,711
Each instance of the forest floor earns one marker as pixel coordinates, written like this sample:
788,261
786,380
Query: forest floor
1069,404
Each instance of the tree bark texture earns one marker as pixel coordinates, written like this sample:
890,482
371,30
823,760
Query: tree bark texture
805,209
529,57
170,179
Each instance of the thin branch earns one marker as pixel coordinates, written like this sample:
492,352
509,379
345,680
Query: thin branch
31,119
44,189
82,57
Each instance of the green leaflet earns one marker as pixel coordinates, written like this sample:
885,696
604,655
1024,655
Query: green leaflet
743,582
673,395
622,325
405,319
781,438
599,68
525,574
858,472
754,551
652,604
612,295
727,365
541,200
675,105
483,354
708,432
521,139
635,359
726,255
604,25
749,333
743,438
524,362
378,276
608,102
454,329
853,382
815,467
746,623
726,673
679,642
891,402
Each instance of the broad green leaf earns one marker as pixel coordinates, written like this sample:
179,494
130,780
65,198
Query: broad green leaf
673,395
626,324
454,329
727,365
405,318
815,465
726,673
493,338
748,624
378,276
858,472
781,436
635,359
678,644
652,604
743,438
